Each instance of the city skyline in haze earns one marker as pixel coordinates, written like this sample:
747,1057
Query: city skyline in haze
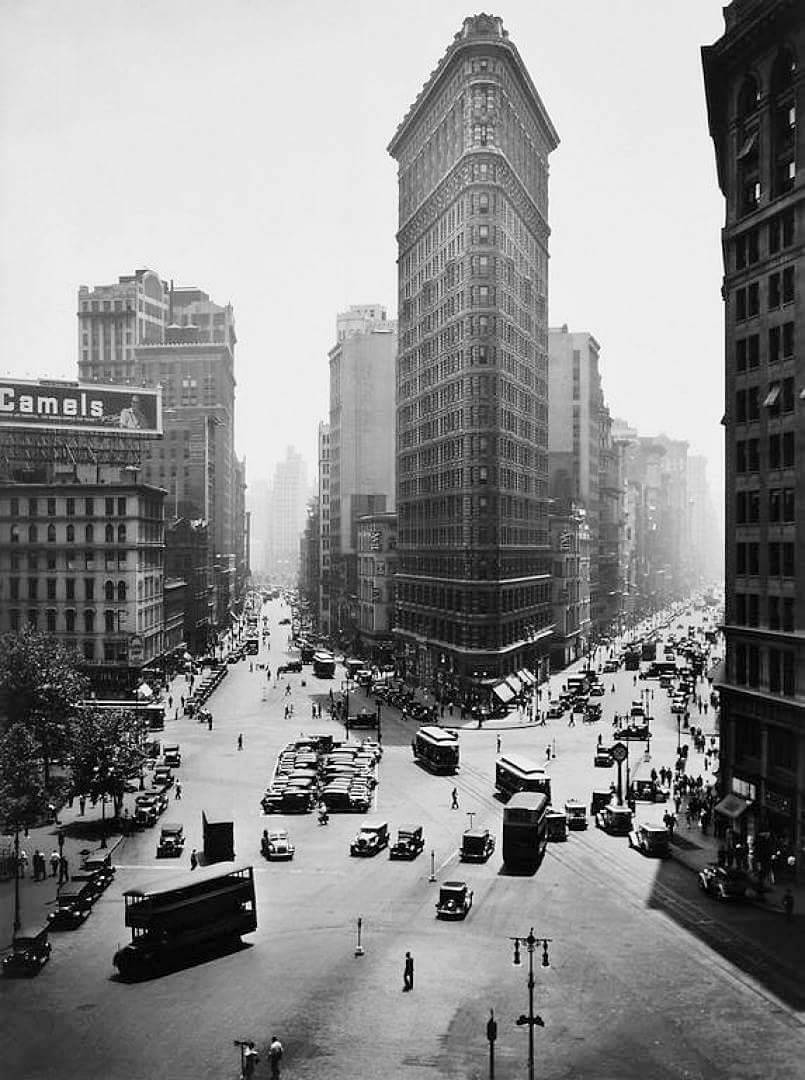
247,155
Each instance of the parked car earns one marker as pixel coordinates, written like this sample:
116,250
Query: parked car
74,905
576,814
601,797
597,690
723,882
651,840
171,841
555,711
291,667
455,900
371,839
615,820
410,842
146,811
648,790
276,845
171,755
163,777
30,951
476,845
610,666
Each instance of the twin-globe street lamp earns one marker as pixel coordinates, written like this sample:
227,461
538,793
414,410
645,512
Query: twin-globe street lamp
531,943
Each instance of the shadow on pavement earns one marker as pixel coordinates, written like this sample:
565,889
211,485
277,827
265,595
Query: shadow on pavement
185,959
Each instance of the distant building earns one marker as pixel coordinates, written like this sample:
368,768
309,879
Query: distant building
187,558
377,565
286,516
473,586
323,606
570,548
755,100
361,447
114,319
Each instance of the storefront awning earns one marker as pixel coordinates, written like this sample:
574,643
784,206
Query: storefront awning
514,683
731,806
504,692
527,678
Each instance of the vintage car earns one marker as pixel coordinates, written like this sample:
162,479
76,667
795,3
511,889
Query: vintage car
373,837
610,666
601,797
476,845
171,841
593,711
99,862
651,840
615,820
648,790
30,951
285,622
146,811
635,730
163,777
555,826
603,757
364,718
555,711
597,690
679,704
74,905
158,794
271,801
276,845
576,814
291,666
724,883
455,900
410,842
171,755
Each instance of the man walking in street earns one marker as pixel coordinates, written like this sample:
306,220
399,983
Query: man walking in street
408,973
64,869
275,1057
193,859
54,863
498,743
454,796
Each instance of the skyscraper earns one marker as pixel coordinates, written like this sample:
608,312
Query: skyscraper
473,588
361,446
287,515
755,95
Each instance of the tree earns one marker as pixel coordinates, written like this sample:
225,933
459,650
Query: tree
22,793
39,687
104,750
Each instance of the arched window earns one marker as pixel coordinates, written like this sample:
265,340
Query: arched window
33,534
89,621
109,622
89,534
121,591
109,534
69,620
109,590
121,534
51,534
71,534
748,97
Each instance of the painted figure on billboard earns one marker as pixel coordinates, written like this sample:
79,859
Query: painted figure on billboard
133,417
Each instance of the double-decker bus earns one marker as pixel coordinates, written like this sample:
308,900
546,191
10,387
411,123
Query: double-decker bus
436,749
515,773
524,830
324,665
187,912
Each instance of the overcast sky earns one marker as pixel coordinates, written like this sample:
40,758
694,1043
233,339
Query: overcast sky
240,147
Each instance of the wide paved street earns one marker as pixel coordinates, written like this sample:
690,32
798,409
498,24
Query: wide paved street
647,977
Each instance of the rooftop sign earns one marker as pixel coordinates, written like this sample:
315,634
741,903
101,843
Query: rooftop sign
71,406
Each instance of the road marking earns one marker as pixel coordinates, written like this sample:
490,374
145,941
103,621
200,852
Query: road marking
449,858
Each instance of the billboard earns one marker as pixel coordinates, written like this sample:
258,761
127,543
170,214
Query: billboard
70,406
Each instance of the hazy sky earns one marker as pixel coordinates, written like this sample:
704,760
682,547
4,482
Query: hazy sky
240,146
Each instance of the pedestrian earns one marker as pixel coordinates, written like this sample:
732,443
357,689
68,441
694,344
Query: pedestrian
181,698
82,804
240,742
408,973
454,798
178,793
319,710
572,721
547,753
64,869
54,863
275,1057
251,665
249,1058
600,738
497,743
54,817
209,721
313,710
38,865
193,859
170,701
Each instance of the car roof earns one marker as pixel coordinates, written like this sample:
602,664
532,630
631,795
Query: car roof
476,832
409,828
454,885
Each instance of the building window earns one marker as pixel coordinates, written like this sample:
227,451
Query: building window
109,590
69,621
14,619
51,508
32,508
33,534
51,588
121,507
109,622
110,507
70,507
14,588
14,534
51,621
789,675
51,534
89,507
89,589
109,534
33,619
89,622
89,650
121,592
71,534
121,534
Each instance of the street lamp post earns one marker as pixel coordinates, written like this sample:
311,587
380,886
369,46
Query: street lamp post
17,922
533,1021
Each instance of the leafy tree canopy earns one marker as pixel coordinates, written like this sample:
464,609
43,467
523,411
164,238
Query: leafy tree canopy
38,678
104,750
22,792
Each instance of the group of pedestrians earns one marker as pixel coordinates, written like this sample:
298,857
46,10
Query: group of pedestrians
59,865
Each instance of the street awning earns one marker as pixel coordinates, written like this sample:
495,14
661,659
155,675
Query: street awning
504,692
731,806
527,677
514,683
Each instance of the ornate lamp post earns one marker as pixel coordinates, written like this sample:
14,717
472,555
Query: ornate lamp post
531,943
